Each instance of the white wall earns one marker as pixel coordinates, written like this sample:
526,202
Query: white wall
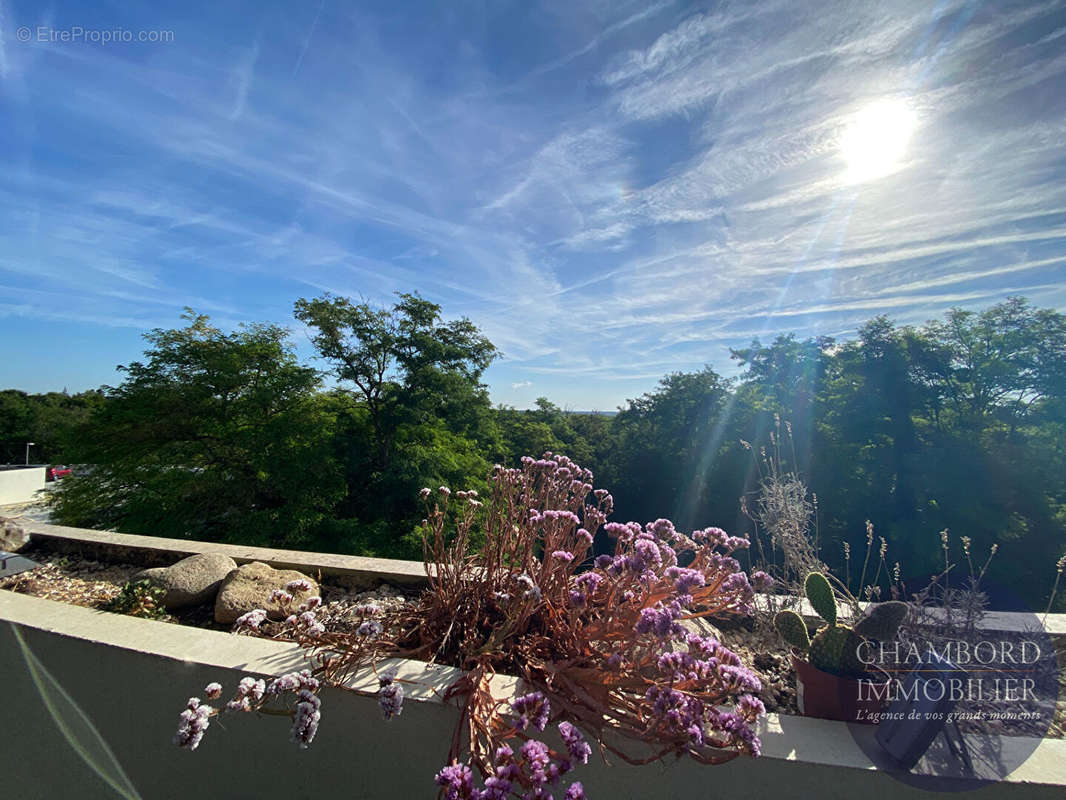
18,485
91,701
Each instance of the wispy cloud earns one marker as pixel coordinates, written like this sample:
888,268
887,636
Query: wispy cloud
610,191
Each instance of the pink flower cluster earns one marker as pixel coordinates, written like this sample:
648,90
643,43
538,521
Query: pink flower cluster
251,694
532,771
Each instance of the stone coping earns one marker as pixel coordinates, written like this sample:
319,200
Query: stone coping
798,740
355,572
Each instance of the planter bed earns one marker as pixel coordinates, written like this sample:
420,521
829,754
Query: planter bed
68,575
88,568
108,684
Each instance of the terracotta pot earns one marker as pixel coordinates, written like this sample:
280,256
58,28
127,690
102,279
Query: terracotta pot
821,694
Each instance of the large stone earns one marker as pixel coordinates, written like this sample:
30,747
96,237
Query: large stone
192,581
250,586
13,537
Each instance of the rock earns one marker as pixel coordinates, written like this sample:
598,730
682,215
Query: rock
250,586
703,627
13,537
192,581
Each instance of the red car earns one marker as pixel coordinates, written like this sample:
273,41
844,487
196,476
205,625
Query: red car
55,473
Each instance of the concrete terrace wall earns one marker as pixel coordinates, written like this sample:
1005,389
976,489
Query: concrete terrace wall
91,701
18,485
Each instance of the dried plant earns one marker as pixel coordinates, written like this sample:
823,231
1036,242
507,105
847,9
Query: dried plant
788,521
601,643
941,612
1060,565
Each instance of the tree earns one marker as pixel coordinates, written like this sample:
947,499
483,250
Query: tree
673,453
420,415
404,362
998,364
44,419
216,436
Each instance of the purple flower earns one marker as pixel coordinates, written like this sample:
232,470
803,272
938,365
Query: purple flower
537,759
685,580
588,582
496,788
286,683
646,554
194,722
563,555
739,731
390,698
750,707
738,678
567,516
531,708
660,621
575,791
299,585
761,580
251,687
576,745
213,691
253,619
281,597
623,532
604,561
305,720
370,627
737,582
710,536
457,780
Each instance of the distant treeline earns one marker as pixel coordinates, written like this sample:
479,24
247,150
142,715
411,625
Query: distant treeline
958,424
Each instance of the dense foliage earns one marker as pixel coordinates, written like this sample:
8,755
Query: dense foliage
958,424
214,436
46,420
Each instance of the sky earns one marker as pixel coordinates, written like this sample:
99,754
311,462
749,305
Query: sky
611,190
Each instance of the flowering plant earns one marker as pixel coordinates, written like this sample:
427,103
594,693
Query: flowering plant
606,645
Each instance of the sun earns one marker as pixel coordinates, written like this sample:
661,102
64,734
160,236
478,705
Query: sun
876,139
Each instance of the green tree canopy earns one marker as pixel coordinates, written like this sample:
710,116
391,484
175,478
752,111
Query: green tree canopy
214,435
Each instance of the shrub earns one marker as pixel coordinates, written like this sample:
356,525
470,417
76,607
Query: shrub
139,599
600,642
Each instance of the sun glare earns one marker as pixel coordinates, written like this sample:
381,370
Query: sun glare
874,143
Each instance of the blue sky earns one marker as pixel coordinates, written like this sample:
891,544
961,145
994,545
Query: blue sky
611,191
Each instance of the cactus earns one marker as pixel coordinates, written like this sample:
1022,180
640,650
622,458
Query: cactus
820,595
882,621
834,648
793,629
